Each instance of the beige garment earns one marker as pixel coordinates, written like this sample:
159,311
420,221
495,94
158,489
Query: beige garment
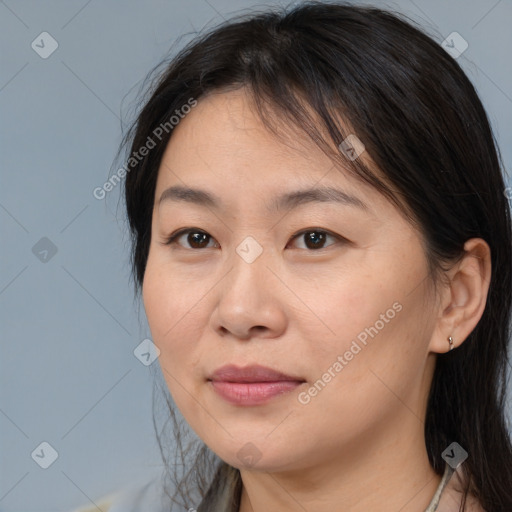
434,503
104,505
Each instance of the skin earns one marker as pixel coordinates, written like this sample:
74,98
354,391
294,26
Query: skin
358,444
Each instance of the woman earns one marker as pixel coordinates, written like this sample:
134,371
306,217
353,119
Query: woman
323,245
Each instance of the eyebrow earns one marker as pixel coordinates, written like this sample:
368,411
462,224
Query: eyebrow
287,201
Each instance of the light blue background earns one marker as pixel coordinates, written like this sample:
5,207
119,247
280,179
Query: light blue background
69,326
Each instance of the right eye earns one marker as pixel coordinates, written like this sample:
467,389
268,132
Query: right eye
196,238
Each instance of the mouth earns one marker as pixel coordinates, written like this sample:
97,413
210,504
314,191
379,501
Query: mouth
252,385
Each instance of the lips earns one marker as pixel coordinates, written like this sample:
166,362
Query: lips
251,385
253,373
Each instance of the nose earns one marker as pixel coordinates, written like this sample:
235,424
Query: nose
250,300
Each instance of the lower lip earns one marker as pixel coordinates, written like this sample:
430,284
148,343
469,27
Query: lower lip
252,393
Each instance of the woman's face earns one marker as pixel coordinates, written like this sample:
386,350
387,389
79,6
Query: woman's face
329,289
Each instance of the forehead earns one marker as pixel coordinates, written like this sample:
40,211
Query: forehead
224,141
226,127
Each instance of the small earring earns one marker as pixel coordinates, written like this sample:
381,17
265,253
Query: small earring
450,341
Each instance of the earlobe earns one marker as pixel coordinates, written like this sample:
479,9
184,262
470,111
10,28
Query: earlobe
464,297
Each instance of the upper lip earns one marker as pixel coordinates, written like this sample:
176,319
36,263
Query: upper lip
252,373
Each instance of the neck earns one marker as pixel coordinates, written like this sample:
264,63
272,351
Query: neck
386,471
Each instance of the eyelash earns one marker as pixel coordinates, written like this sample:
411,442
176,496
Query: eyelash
171,239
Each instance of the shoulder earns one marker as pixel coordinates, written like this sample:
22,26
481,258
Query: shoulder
104,504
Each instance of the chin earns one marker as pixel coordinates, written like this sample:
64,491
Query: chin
258,456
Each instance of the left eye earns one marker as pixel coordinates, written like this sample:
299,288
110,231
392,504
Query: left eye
314,239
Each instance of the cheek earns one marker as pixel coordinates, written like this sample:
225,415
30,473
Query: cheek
169,307
374,316
359,305
172,304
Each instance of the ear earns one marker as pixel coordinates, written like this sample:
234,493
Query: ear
463,298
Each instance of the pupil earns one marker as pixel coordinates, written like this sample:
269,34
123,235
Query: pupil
316,238
196,238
